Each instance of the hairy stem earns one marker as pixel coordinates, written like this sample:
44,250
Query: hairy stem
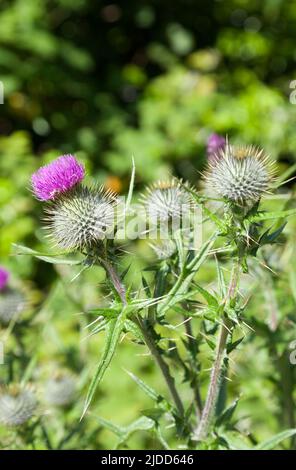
149,340
194,365
115,279
202,429
153,348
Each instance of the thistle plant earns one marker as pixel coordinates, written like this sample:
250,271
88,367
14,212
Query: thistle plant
173,313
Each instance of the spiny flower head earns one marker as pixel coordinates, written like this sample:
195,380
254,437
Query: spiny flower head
81,218
12,304
60,389
167,200
215,144
57,177
241,174
17,405
4,277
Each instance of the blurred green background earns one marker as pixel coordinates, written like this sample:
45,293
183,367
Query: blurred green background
144,79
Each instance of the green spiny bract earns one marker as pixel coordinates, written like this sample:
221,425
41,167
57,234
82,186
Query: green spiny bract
17,405
240,174
81,218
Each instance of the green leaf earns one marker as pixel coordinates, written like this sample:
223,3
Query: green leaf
114,329
275,440
260,216
221,280
183,282
47,257
132,328
234,345
119,431
150,392
210,299
200,199
226,416
146,287
131,187
102,326
108,312
292,279
160,280
141,424
268,237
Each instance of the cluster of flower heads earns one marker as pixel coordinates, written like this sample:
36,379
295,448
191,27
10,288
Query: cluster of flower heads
79,217
17,405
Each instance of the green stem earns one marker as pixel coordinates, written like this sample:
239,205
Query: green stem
186,276
120,289
162,365
202,429
194,365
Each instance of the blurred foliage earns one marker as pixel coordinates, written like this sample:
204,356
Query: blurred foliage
150,79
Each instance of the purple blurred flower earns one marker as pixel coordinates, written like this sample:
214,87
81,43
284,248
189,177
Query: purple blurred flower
215,144
57,177
4,276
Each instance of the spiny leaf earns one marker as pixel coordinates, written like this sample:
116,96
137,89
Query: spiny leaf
141,424
226,416
108,312
292,279
47,257
119,431
234,345
268,237
102,326
221,280
210,299
181,286
132,328
114,329
131,187
260,216
200,199
275,440
146,287
155,396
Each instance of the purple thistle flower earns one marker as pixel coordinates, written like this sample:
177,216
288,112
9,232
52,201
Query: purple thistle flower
57,177
215,144
4,276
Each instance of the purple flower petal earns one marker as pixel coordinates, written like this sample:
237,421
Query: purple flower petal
4,276
215,144
57,177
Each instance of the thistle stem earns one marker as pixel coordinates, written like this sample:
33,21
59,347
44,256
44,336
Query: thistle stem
150,343
153,348
202,429
115,279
